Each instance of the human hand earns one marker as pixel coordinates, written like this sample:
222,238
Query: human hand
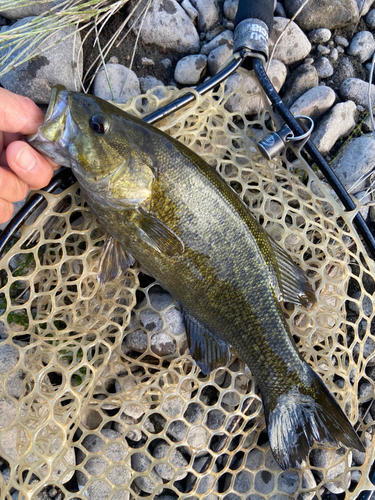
21,167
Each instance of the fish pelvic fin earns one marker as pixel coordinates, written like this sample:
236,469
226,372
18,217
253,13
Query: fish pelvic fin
299,419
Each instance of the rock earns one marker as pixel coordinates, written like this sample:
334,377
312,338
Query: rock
334,55
190,69
264,482
225,38
146,61
279,10
323,50
242,482
236,102
167,26
366,309
208,13
176,458
198,437
133,411
321,35
175,321
230,9
293,46
355,161
362,46
136,341
364,6
8,412
96,466
177,430
119,476
149,82
166,63
163,344
30,9
339,122
329,14
189,9
194,413
124,83
288,482
15,384
254,459
314,103
356,90
9,357
218,57
323,459
323,67
302,79
172,406
141,463
58,64
151,320
340,40
98,490
370,19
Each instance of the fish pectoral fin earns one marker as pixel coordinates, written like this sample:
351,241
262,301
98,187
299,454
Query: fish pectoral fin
113,260
156,234
294,285
208,350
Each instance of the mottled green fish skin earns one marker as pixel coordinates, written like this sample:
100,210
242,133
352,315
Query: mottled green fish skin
225,276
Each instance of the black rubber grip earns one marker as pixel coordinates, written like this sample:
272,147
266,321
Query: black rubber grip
255,9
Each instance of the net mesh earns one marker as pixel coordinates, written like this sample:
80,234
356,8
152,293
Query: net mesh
99,396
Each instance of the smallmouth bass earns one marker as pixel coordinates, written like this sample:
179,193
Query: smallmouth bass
166,208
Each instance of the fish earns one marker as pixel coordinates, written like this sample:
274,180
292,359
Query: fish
166,208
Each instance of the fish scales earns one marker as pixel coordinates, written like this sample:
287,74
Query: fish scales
173,213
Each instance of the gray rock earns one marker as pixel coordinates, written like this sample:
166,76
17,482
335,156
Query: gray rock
366,309
8,412
340,40
136,341
288,482
190,10
356,160
124,83
264,482
315,102
370,19
334,55
167,26
218,57
362,46
293,46
323,67
322,459
339,122
160,301
321,35
163,344
133,411
33,9
190,69
175,321
93,443
254,459
279,10
151,320
120,476
242,482
230,9
198,437
9,357
96,466
323,50
176,458
177,430
329,14
364,6
172,406
208,13
166,63
236,103
365,390
149,82
58,64
141,463
146,61
302,79
14,383
225,38
98,490
356,90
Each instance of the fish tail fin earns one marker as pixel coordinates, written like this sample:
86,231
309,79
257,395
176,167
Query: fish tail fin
298,419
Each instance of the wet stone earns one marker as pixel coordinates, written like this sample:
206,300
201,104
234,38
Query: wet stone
194,413
254,459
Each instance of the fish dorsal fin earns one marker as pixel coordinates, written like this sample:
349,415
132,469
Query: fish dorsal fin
294,285
208,350
113,260
156,234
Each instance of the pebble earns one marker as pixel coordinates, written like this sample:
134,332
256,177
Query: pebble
288,482
9,357
35,77
146,61
190,10
167,26
124,83
149,82
190,69
254,459
364,6
279,10
98,490
340,40
334,55
225,38
355,161
324,459
177,430
329,14
321,35
264,482
323,67
218,57
230,9
208,14
142,463
314,103
302,79
163,344
166,63
151,320
339,122
198,437
293,46
136,341
176,458
356,90
362,46
175,321
366,307
370,19
323,50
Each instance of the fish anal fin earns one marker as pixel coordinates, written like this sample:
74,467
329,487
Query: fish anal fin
113,260
208,350
158,235
293,284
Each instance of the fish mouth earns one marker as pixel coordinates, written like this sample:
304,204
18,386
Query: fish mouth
54,137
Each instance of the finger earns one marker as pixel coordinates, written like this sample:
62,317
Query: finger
6,210
9,137
29,165
19,114
12,188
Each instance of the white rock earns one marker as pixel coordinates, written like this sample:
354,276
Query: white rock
370,19
236,102
315,102
124,83
321,35
169,27
208,13
364,6
323,67
340,40
230,9
224,38
163,344
151,320
356,90
293,46
218,57
362,46
198,437
189,69
189,9
264,482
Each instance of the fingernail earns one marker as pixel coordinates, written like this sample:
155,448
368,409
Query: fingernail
26,159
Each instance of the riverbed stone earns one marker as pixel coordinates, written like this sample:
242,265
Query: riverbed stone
356,90
124,83
190,69
329,14
315,102
208,13
293,46
362,46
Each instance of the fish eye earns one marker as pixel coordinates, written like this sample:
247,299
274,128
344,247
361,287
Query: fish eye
99,123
